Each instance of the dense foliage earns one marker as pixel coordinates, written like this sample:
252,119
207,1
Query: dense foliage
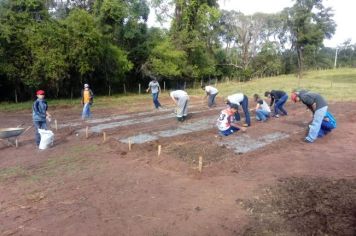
59,45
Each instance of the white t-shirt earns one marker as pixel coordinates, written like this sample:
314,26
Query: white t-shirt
236,98
177,94
264,106
225,119
154,85
211,90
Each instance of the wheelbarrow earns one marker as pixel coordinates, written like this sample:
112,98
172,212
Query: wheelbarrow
12,133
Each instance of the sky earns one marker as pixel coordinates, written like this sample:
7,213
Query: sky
344,14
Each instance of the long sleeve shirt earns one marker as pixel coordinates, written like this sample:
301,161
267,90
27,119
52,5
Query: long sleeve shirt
276,95
39,109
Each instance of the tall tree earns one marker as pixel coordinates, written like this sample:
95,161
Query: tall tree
193,31
308,23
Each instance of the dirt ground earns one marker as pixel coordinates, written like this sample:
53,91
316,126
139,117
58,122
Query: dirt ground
90,187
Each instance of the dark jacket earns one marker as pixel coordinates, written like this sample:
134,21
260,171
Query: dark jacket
39,109
276,95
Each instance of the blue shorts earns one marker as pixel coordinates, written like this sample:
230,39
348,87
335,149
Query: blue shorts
229,131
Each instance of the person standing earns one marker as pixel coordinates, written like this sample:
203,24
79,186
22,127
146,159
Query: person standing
241,100
39,114
279,98
181,99
263,111
155,90
318,106
211,93
225,122
87,101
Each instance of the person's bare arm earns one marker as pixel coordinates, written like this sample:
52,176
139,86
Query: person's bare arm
174,100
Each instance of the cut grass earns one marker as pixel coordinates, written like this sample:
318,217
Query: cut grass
71,161
334,85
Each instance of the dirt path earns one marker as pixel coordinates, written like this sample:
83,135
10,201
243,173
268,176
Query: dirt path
85,187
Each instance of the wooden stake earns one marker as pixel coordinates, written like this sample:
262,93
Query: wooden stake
104,137
56,124
87,132
200,167
16,143
164,85
139,88
129,144
159,150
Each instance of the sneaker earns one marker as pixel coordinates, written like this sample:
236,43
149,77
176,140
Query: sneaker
277,116
307,140
245,125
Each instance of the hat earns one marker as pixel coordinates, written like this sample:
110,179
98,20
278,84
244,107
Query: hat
294,97
86,85
40,92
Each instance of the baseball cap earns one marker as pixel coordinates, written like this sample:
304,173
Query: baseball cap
86,85
40,92
294,97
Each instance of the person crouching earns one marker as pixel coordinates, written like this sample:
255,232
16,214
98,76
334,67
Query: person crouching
263,111
318,106
225,122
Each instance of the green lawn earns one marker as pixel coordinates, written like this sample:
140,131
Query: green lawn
335,85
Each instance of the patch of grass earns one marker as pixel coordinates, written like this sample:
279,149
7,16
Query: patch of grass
12,172
336,85
74,159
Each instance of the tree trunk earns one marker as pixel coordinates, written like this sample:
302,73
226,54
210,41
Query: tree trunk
300,62
16,99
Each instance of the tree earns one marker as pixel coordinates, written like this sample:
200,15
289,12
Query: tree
83,44
166,61
17,20
308,22
193,30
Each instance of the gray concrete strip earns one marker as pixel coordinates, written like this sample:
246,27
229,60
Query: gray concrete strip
185,128
244,143
75,123
99,128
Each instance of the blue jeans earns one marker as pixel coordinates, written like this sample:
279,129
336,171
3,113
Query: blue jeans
244,105
314,127
211,99
262,115
39,125
279,105
229,131
86,111
155,100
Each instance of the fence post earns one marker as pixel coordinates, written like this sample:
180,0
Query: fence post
164,86
124,89
139,88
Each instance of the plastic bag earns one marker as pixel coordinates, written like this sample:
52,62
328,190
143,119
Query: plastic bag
47,138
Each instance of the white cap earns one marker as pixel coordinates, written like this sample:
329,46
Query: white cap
86,85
